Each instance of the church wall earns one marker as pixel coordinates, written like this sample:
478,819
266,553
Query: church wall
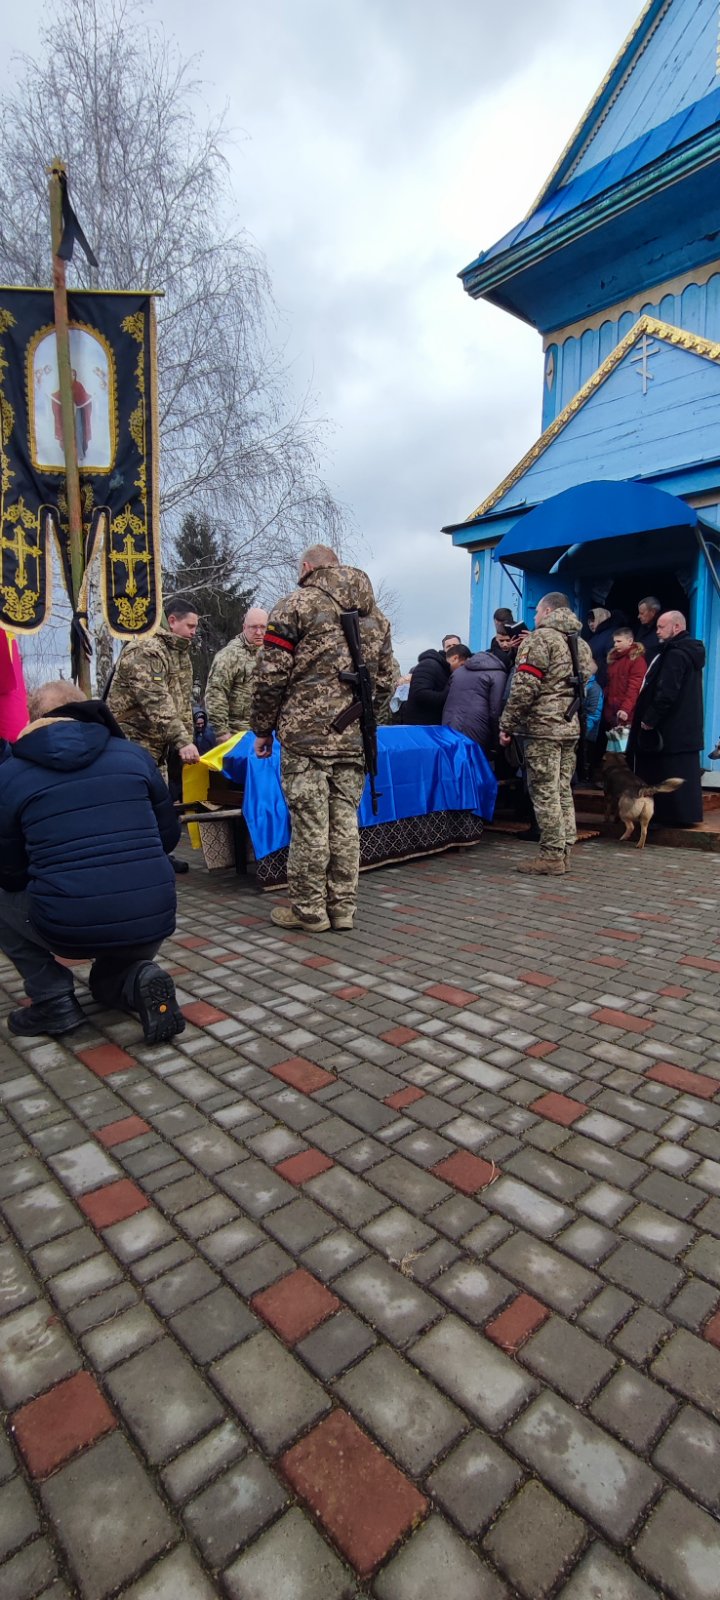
570,361
490,587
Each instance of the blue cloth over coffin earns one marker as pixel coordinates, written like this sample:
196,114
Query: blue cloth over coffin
420,770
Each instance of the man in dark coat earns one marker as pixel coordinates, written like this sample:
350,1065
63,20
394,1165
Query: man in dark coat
667,728
429,684
475,697
86,826
646,632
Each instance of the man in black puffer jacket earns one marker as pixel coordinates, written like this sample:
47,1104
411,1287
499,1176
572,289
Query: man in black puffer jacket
86,826
429,683
475,698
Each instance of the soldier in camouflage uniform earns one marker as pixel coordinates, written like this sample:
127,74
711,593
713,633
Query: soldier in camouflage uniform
541,694
298,693
229,686
150,691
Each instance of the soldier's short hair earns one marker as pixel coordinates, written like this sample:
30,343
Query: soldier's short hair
461,650
319,555
652,602
554,602
503,614
48,696
181,605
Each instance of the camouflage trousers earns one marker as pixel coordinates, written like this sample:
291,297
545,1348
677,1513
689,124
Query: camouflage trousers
550,764
324,857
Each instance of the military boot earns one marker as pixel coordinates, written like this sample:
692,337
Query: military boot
544,867
285,917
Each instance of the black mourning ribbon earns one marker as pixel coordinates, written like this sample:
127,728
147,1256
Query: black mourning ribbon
71,228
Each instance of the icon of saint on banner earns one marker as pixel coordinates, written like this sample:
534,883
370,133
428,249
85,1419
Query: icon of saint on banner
93,393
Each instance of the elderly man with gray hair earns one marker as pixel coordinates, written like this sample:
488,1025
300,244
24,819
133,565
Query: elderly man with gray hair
230,683
667,728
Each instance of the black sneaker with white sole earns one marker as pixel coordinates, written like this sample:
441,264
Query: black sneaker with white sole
155,1002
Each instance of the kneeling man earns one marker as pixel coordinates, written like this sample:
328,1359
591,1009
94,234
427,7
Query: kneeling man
86,825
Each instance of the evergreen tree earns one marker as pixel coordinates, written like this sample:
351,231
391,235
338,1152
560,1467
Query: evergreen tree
205,568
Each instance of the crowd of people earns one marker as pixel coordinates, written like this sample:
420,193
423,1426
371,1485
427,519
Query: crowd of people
87,821
641,695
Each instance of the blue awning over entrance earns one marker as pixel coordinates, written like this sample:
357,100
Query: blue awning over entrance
586,514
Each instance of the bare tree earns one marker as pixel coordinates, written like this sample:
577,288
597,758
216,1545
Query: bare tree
149,178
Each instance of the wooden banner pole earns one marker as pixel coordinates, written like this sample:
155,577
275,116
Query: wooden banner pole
67,407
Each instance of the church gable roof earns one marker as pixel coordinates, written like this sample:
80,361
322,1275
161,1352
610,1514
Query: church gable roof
628,420
666,67
641,165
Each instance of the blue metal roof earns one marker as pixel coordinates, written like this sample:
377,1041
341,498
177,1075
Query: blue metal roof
642,152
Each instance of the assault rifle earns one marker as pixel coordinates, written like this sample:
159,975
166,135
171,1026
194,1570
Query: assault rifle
361,710
577,706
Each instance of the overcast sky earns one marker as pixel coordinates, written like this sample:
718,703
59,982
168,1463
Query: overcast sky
380,144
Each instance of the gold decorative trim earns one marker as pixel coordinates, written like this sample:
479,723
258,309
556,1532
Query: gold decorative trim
697,276
133,609
699,346
37,338
547,186
39,288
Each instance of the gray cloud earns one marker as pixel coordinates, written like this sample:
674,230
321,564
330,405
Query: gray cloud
380,144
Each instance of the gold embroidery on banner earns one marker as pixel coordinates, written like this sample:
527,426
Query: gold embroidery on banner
128,547
20,598
694,342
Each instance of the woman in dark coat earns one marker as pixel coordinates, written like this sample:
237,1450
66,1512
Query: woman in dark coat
667,728
475,699
429,682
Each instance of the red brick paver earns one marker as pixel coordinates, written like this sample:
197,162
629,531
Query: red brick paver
203,1014
465,1171
702,963
674,991
711,1331
541,980
450,995
295,1305
302,1074
621,1019
65,1420
114,1203
120,1132
104,1059
352,991
360,1497
542,1048
399,1035
515,1324
404,1097
306,1164
688,1082
558,1108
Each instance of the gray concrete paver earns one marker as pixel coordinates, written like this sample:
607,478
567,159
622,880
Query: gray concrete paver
605,1419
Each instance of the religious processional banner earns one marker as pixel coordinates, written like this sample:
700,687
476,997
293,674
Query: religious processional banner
113,359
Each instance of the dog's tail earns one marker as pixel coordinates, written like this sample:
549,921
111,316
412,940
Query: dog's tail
663,788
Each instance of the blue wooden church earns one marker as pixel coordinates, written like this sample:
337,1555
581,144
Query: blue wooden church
617,265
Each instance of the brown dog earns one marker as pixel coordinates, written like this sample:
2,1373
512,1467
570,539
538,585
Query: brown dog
627,797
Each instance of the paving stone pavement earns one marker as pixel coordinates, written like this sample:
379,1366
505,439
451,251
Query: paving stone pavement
398,1272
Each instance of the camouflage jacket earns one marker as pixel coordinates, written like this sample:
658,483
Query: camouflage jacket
151,693
229,686
297,690
540,693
